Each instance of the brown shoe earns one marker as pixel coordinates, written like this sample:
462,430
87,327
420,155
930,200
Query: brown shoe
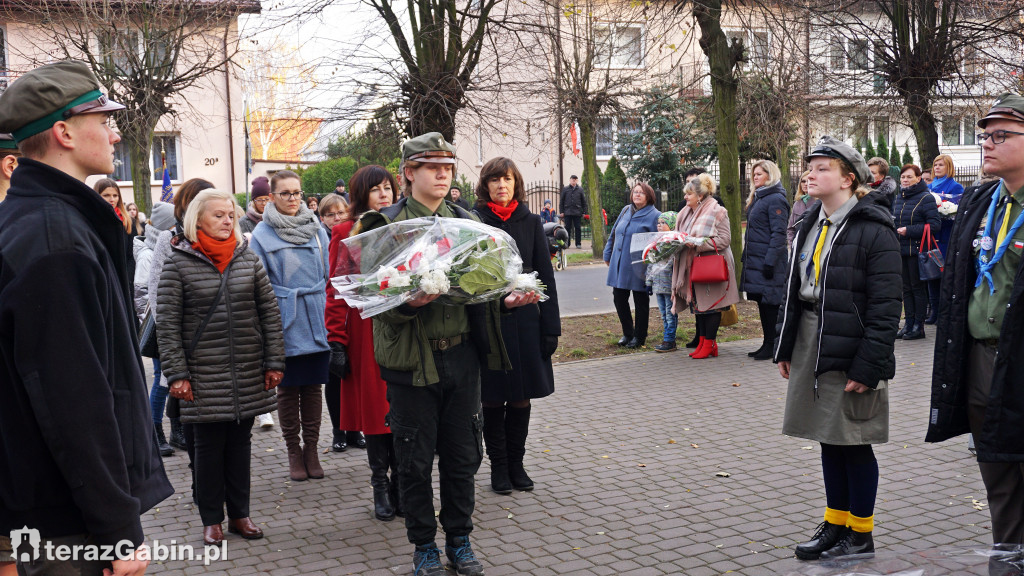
312,461
296,466
245,528
213,535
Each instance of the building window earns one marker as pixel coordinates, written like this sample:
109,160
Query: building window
882,129
166,142
850,54
837,54
950,131
970,125
756,45
605,137
859,132
859,58
619,45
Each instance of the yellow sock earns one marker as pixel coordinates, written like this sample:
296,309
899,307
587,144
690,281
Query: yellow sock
839,517
862,525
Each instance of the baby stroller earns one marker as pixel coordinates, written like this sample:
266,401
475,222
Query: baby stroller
557,240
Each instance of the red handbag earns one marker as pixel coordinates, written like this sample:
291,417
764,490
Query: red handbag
709,268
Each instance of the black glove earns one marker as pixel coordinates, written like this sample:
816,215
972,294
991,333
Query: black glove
339,367
650,290
550,345
769,272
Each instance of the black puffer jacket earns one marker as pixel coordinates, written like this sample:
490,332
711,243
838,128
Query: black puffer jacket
861,293
1000,440
764,250
913,208
242,340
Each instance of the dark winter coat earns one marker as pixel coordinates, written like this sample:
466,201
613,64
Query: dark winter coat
1000,439
887,187
859,311
77,450
573,201
526,329
621,271
764,253
242,340
914,207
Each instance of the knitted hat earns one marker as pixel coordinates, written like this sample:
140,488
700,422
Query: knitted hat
260,187
162,216
669,218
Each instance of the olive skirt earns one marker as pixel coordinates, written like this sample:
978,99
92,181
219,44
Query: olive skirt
832,416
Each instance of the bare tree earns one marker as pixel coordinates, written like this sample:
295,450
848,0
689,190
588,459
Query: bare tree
144,52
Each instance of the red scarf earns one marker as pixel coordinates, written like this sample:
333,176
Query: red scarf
118,212
218,251
504,212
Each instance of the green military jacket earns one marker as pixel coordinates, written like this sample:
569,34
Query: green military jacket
401,336
987,308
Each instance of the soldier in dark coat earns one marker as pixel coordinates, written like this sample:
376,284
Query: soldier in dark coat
976,386
78,460
530,332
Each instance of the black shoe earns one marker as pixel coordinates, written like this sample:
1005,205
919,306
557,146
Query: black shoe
666,346
517,428
851,543
635,342
623,341
932,318
426,561
759,351
693,343
382,507
461,558
355,439
177,435
339,444
916,334
907,327
764,354
161,441
824,538
579,247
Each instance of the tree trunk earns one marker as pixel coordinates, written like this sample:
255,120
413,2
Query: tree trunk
923,122
782,157
139,144
722,61
434,110
588,133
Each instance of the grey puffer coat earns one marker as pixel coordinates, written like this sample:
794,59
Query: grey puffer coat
242,340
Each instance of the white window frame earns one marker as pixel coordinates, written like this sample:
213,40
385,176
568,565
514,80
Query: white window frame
846,43
155,172
615,122
614,61
747,35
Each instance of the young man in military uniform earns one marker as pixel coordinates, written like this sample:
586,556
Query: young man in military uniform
79,461
975,387
430,356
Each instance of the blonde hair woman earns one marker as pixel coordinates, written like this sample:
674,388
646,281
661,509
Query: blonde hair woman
706,224
837,331
221,370
801,201
764,249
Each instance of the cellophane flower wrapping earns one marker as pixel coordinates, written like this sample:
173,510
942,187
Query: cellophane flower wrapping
464,261
947,209
657,249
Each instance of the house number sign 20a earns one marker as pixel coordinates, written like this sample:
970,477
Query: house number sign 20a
211,161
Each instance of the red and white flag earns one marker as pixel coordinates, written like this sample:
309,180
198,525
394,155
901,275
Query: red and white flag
574,139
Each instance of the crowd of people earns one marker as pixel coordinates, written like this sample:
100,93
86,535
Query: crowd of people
236,307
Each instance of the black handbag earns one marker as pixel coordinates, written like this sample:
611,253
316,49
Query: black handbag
147,336
930,262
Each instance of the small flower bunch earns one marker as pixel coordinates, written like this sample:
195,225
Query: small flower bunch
664,247
462,261
947,209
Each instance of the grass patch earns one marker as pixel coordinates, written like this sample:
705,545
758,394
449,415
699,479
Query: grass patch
581,258
577,353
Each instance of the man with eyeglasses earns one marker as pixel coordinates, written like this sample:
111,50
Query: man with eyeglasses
254,214
980,330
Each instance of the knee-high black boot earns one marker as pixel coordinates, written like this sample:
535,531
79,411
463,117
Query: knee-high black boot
517,427
378,454
769,314
497,453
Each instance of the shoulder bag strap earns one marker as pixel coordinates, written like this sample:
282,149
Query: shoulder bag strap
209,313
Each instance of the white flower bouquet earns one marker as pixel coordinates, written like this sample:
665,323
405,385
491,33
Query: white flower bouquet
656,249
463,261
947,209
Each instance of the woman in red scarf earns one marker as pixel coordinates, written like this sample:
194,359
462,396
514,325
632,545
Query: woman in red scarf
109,191
530,332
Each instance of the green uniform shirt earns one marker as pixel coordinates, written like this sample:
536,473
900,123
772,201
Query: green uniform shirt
439,320
986,309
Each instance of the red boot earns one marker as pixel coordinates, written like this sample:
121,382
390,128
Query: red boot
710,349
699,348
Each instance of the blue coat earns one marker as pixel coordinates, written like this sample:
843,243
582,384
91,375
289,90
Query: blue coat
913,208
621,272
764,254
951,190
298,274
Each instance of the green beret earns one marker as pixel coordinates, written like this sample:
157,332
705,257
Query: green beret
49,94
429,147
7,142
1008,106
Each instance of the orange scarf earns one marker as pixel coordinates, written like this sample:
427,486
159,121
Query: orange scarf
218,251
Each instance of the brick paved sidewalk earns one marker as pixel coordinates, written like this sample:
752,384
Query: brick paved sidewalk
625,456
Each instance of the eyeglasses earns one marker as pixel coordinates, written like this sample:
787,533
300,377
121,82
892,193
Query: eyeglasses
998,137
261,200
289,195
333,215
